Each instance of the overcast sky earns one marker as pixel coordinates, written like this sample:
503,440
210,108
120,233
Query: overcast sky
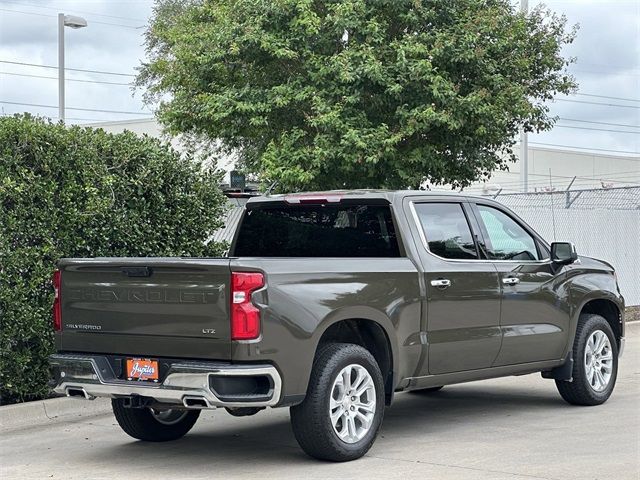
607,50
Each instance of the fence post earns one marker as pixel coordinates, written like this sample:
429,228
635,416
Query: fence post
567,202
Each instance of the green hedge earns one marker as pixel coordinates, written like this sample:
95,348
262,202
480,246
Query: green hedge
81,192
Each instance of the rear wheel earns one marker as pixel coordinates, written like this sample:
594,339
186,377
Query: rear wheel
595,363
343,409
153,425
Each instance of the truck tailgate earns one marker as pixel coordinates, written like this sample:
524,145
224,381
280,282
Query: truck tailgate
165,307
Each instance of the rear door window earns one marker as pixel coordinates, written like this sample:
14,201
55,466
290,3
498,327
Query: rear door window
447,231
342,230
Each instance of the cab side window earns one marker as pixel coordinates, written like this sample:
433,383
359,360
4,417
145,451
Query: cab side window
506,239
447,231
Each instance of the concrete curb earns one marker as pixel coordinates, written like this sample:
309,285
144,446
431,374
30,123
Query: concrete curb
47,412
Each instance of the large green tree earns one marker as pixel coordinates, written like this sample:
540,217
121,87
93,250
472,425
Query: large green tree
356,93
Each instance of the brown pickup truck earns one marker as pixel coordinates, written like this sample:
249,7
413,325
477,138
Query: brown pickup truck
330,303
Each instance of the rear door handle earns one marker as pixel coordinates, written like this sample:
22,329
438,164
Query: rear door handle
441,283
510,281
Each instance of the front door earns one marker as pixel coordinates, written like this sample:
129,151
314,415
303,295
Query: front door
463,292
534,318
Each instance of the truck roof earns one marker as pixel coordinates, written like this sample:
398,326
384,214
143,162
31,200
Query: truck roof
366,194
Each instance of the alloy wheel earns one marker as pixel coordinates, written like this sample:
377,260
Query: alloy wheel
598,360
352,405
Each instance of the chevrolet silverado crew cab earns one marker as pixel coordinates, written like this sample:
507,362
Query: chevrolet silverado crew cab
329,304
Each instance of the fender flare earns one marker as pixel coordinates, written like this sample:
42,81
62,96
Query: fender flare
362,312
590,296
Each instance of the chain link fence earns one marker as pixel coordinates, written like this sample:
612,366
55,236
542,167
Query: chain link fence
602,223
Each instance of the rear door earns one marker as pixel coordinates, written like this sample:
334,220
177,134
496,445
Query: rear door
535,316
463,292
169,307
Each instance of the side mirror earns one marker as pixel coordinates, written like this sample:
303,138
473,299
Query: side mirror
563,253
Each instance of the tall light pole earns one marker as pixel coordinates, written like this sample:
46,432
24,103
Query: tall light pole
524,139
72,22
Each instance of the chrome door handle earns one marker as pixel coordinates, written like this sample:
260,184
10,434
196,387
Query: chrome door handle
511,281
441,283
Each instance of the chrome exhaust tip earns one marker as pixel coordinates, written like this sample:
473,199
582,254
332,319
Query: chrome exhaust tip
195,402
78,392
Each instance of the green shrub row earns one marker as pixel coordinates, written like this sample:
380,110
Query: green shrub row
81,192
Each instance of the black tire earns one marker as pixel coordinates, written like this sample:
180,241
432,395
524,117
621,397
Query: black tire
579,391
142,424
311,420
427,391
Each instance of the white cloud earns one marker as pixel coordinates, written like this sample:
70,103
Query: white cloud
607,49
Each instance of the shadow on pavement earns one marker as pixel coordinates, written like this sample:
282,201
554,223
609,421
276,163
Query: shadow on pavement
269,440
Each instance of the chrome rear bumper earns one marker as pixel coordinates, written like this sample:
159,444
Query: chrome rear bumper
187,383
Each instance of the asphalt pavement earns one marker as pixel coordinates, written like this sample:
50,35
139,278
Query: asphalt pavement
509,428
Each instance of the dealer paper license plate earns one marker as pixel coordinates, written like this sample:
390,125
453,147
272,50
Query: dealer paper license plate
142,369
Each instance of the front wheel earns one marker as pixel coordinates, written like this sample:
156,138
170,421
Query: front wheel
154,425
342,412
595,363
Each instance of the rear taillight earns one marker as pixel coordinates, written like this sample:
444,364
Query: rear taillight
245,317
57,308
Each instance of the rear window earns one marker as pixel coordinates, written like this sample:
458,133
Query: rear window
318,231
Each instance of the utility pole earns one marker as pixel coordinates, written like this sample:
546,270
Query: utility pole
72,22
61,66
524,139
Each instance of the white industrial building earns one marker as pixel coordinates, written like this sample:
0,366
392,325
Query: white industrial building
556,168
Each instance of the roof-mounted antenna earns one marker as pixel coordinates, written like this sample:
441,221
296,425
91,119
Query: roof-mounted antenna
270,189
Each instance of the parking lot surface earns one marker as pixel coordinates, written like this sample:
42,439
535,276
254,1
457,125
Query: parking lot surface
510,428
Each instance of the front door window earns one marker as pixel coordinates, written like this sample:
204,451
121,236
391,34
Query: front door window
507,240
